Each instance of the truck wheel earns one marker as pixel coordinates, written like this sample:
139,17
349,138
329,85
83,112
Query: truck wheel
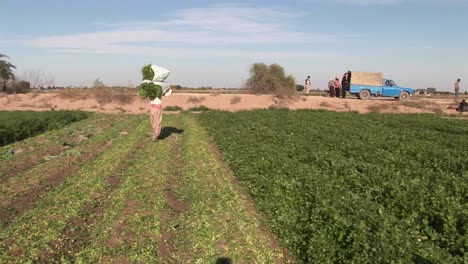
404,96
364,94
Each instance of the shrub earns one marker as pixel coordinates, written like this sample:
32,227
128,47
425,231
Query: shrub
200,108
236,99
103,95
123,98
195,100
172,108
270,79
22,87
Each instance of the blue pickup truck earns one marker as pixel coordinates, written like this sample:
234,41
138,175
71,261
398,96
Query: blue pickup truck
366,85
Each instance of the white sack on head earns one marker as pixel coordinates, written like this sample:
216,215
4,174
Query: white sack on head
160,73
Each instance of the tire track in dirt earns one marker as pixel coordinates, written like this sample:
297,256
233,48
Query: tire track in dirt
166,247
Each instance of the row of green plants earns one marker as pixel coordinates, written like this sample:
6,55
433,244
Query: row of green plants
40,231
23,155
129,228
68,161
352,188
218,222
18,125
124,204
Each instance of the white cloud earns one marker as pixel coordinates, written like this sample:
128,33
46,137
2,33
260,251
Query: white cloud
191,32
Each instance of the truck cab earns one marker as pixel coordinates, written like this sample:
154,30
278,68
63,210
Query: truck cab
391,89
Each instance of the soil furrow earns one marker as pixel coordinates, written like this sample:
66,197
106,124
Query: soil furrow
32,151
170,219
79,232
54,177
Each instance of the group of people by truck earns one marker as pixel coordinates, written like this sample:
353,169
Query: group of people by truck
364,85
337,88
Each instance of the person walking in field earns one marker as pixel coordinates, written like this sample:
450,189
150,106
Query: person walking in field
337,86
156,114
307,85
153,87
457,89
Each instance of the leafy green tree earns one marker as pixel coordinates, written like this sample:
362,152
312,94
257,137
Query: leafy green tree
6,71
270,79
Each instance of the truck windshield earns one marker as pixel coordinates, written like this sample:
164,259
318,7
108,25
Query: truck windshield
390,83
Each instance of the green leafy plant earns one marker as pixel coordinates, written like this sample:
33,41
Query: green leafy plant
150,91
147,72
334,192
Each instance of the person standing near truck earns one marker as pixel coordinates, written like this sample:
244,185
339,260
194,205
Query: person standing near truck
345,83
337,86
331,87
307,85
457,89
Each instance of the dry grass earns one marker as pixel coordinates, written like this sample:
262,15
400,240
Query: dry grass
26,105
120,109
102,95
325,104
124,98
236,99
34,94
418,104
375,108
347,106
195,99
438,111
73,94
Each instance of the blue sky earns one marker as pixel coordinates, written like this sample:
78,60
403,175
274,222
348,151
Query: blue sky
213,43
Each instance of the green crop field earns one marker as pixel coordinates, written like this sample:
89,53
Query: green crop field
269,186
18,125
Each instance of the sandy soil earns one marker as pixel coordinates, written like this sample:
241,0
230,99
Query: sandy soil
230,102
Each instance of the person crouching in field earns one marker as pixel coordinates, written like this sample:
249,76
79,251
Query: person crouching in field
156,114
463,106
